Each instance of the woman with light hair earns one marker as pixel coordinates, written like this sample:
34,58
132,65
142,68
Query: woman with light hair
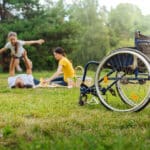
18,51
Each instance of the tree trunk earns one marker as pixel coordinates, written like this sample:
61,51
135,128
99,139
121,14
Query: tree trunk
2,10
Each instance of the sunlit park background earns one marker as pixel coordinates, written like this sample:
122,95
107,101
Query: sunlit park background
47,118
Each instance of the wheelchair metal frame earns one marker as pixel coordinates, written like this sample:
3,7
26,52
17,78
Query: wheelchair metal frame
85,90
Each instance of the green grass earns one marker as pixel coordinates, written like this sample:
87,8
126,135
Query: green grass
45,119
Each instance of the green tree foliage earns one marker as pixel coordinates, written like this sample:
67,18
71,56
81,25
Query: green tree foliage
10,9
50,26
124,20
85,30
145,25
94,40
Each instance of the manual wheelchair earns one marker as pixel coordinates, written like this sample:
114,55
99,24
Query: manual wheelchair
122,79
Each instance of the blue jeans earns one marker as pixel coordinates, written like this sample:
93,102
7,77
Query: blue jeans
59,80
36,82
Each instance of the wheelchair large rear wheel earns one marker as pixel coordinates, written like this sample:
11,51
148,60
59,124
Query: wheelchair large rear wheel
123,81
122,89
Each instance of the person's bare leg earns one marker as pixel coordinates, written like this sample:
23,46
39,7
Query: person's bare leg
27,63
12,67
31,65
30,62
17,65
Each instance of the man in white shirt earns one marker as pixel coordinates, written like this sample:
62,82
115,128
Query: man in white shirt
23,80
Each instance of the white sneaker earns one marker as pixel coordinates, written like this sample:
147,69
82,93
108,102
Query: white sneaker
18,68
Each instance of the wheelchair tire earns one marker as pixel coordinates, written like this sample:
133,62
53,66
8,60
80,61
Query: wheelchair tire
119,89
120,81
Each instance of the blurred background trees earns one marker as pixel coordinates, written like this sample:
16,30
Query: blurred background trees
84,29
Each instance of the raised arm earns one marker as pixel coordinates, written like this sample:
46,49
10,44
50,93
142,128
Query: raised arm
27,63
40,41
2,50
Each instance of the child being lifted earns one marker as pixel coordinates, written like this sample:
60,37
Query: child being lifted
18,51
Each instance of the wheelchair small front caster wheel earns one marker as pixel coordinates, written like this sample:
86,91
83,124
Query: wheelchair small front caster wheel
82,100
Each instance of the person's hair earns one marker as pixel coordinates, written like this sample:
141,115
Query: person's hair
20,85
12,34
59,50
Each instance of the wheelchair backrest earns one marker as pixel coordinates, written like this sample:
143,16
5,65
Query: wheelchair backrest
142,43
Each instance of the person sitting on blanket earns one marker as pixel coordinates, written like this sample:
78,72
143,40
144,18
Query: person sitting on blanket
23,80
64,67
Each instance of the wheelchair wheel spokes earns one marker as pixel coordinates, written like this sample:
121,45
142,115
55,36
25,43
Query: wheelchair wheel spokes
132,90
108,90
123,86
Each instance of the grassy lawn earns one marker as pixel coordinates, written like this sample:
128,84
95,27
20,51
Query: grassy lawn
45,119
